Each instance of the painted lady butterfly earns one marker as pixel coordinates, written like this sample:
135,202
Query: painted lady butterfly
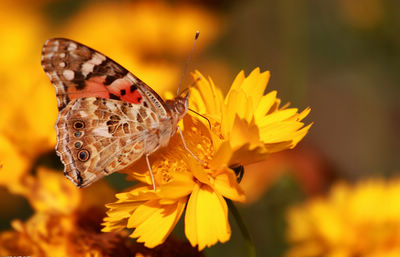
108,118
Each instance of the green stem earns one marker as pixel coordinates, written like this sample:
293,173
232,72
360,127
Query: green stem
243,228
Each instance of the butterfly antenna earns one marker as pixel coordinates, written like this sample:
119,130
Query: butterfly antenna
209,123
187,61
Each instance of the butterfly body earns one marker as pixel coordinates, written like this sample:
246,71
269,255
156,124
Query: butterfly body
108,118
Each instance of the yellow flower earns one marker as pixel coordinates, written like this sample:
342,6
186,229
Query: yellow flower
248,118
237,136
180,180
361,220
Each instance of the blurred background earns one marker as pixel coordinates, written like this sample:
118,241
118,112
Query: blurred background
341,58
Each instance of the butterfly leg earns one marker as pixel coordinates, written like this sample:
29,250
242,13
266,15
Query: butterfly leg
151,172
187,149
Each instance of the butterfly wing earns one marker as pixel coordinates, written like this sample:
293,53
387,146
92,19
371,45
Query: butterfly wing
108,117
97,137
78,71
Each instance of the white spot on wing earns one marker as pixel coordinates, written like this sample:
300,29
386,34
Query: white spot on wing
87,67
53,48
72,46
62,64
68,74
110,105
48,56
83,114
97,58
53,75
47,41
62,55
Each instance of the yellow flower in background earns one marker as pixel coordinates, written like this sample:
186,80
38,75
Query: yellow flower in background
27,100
361,220
65,223
13,166
236,136
151,39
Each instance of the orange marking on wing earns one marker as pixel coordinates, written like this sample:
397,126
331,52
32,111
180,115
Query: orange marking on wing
122,84
94,87
117,85
133,97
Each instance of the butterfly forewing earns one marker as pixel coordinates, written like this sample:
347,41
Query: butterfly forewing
78,71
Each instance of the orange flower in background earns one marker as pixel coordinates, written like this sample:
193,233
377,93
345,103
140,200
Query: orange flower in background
361,220
240,133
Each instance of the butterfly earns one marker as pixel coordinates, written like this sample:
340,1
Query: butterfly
108,118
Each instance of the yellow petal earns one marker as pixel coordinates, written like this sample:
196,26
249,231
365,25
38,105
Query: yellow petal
303,114
198,172
221,157
191,217
206,219
196,101
237,82
244,133
253,86
248,154
299,135
209,94
226,184
122,209
111,224
238,104
265,104
141,192
277,117
154,222
181,185
127,203
280,131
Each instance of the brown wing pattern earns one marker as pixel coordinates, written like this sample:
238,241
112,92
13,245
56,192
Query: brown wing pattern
97,137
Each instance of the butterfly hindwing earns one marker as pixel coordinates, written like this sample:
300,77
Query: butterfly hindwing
97,137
